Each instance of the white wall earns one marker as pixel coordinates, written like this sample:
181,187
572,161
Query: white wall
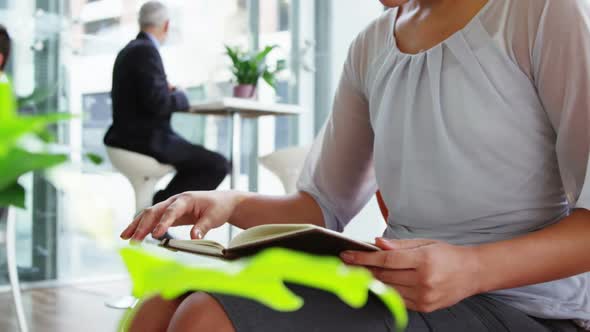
349,18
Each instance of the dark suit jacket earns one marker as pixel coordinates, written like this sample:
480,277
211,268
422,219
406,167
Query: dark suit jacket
143,104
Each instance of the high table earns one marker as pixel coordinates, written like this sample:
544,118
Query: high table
237,109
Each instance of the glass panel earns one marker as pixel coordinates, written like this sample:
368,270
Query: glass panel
193,62
275,28
70,229
34,67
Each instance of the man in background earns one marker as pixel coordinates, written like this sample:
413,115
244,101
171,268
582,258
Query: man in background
143,102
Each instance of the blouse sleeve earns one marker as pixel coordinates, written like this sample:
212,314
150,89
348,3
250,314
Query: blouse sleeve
561,64
338,172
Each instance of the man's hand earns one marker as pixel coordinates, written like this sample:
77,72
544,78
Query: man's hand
429,275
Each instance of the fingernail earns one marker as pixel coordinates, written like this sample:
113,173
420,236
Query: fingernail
156,230
347,256
198,234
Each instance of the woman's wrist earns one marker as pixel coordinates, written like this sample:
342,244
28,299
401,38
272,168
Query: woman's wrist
252,209
476,267
488,271
235,200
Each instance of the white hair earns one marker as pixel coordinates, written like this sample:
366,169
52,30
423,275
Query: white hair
153,14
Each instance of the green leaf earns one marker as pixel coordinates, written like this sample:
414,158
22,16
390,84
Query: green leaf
260,278
39,95
280,66
18,162
46,136
15,161
233,54
269,78
7,102
94,158
13,128
261,56
13,195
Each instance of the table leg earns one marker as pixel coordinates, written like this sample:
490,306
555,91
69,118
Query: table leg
236,135
12,270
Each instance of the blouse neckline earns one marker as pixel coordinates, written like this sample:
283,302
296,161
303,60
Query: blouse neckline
392,40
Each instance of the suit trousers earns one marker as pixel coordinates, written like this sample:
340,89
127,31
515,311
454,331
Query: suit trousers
196,169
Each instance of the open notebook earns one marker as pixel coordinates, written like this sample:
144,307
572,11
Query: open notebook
307,238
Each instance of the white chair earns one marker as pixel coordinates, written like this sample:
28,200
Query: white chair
143,172
286,164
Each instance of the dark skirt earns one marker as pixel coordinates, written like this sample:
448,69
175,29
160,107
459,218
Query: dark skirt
325,312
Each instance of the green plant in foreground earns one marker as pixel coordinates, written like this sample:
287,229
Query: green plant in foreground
260,278
249,67
15,160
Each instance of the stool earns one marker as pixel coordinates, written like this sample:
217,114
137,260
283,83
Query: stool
143,172
286,164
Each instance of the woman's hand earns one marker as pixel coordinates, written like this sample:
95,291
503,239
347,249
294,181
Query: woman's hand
204,210
429,275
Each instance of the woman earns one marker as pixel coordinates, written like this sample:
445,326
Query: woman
473,118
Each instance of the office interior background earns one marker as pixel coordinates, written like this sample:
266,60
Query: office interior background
69,232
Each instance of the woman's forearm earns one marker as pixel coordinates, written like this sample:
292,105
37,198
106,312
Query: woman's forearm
556,252
255,209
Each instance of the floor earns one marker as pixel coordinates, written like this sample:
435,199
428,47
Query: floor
63,309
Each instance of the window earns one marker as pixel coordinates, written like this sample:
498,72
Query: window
79,47
98,26
70,228
97,117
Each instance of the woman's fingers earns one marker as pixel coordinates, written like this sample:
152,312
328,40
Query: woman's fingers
396,259
205,212
201,227
389,244
396,277
412,298
128,232
196,233
410,305
180,207
408,293
148,219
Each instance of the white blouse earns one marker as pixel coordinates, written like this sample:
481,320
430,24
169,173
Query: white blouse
484,137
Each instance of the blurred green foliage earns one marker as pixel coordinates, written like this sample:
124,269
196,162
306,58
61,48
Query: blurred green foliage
260,278
15,159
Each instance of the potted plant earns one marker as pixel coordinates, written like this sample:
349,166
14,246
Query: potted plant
249,67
